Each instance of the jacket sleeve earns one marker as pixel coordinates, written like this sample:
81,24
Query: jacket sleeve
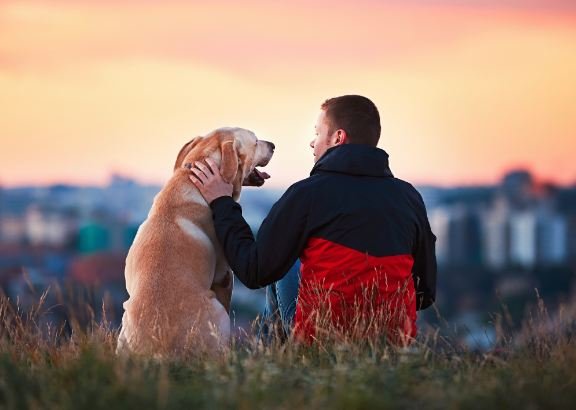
281,237
424,269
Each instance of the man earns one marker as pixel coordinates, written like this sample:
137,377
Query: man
362,236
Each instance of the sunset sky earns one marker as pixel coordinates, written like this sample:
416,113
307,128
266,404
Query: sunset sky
466,89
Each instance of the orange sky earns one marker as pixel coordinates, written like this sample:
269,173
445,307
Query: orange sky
465,92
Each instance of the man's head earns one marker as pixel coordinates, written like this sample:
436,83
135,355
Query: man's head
349,119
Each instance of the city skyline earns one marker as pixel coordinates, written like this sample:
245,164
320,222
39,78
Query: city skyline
112,177
519,222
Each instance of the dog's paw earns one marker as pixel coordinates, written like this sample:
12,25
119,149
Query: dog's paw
227,282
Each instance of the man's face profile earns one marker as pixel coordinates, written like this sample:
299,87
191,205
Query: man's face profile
324,137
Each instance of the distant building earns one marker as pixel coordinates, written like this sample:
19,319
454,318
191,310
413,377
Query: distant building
48,227
523,238
127,200
518,188
552,239
496,235
439,219
458,235
12,229
571,239
93,237
566,206
523,228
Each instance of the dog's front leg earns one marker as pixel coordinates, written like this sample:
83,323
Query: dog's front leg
223,289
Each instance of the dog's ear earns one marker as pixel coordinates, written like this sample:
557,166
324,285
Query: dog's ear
229,164
185,150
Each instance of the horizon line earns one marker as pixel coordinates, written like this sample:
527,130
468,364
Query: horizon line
148,182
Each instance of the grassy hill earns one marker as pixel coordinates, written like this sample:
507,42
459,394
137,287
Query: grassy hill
530,368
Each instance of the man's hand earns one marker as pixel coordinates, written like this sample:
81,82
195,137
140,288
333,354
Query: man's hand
209,181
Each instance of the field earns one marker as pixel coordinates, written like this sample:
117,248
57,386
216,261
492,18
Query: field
531,367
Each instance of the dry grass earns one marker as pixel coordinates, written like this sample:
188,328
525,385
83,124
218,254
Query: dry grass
75,367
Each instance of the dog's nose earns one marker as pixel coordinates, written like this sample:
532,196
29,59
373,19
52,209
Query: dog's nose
272,146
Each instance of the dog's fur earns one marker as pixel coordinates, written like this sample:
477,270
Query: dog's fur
177,276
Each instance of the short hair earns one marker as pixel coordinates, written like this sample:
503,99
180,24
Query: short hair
356,115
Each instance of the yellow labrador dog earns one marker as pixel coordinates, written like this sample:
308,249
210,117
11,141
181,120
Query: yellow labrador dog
177,276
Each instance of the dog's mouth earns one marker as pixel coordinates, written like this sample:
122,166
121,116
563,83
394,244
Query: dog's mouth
256,178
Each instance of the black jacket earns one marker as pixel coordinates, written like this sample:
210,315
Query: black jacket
352,200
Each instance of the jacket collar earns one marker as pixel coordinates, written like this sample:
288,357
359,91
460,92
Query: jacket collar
354,159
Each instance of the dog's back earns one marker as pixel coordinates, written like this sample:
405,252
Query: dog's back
169,271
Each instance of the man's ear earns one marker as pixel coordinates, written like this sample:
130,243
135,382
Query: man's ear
229,164
341,137
185,150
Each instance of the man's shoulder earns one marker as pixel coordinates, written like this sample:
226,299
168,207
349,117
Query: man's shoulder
405,185
301,191
302,188
316,182
305,185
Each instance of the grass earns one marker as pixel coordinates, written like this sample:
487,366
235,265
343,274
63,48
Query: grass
50,368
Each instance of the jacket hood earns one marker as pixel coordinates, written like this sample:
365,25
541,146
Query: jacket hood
354,159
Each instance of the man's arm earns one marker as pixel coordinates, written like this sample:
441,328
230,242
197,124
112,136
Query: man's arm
424,269
281,237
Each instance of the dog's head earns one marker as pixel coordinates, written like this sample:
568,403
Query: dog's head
237,151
